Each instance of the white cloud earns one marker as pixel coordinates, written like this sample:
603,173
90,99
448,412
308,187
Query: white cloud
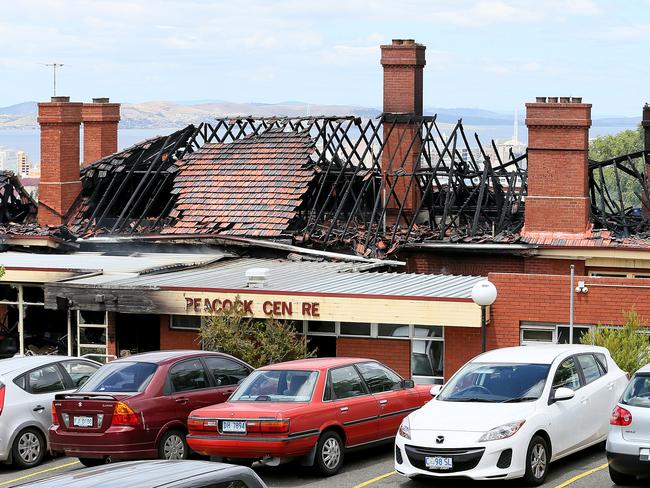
625,33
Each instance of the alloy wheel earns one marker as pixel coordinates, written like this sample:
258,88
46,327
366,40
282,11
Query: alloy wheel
331,453
29,447
538,461
174,447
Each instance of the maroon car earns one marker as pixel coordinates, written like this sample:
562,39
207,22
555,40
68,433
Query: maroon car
137,407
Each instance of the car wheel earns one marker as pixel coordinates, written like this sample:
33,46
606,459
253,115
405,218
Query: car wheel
329,453
537,460
173,446
620,478
28,449
91,462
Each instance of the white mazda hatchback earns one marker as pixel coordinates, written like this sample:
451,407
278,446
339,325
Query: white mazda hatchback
508,413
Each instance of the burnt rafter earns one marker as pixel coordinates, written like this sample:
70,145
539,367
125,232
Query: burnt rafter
620,194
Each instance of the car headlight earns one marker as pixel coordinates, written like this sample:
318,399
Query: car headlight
405,428
502,431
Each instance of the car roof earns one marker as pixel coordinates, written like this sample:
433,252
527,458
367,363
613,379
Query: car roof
143,474
160,357
316,363
645,369
19,363
535,354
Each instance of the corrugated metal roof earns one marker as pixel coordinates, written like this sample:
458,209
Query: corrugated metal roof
301,276
97,261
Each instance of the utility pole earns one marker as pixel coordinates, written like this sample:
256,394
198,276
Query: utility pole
54,66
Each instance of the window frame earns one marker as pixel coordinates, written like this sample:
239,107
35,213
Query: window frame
176,327
28,385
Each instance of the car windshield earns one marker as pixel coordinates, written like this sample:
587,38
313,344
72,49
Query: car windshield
496,383
277,386
120,377
637,393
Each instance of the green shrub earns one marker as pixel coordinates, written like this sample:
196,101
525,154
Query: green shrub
627,345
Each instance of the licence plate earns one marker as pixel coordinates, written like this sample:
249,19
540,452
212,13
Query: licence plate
233,426
438,462
644,455
82,421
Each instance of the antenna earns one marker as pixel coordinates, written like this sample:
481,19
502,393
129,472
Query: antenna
54,66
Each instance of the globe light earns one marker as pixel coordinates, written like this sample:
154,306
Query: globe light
484,293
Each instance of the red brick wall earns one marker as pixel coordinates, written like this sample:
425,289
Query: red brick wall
545,298
100,130
536,265
464,264
177,339
403,62
392,352
461,345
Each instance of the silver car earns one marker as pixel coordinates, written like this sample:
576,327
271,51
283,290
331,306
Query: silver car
628,442
27,388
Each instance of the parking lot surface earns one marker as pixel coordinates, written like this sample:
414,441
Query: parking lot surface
370,468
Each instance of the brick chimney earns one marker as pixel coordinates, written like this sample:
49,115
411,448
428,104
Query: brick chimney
100,120
403,62
558,145
60,122
645,122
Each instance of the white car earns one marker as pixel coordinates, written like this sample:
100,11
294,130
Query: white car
628,443
508,413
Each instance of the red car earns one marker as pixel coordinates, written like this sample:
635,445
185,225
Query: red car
137,407
313,409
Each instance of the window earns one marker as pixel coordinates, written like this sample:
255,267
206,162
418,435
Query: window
314,327
537,335
20,382
226,371
637,392
589,366
188,375
354,328
185,322
567,375
379,378
227,484
427,331
563,334
346,383
427,358
277,385
79,371
393,330
45,380
602,362
121,377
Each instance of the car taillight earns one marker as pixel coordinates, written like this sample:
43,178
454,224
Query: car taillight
2,397
195,424
55,417
268,426
123,415
621,417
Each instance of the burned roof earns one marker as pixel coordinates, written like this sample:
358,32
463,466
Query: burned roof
251,187
16,205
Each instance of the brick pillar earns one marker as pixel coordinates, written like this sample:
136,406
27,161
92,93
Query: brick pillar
645,122
100,120
59,186
403,62
558,144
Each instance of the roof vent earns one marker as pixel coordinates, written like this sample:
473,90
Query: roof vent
257,277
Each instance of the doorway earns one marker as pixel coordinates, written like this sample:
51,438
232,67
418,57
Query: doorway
135,333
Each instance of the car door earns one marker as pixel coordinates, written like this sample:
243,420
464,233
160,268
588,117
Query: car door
394,401
566,417
356,409
42,384
190,387
226,375
598,388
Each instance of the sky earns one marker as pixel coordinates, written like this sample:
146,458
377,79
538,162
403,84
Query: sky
490,54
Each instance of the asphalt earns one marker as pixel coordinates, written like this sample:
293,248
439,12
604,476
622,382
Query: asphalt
370,468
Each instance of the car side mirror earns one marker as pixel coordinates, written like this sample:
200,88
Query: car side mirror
435,390
407,384
562,394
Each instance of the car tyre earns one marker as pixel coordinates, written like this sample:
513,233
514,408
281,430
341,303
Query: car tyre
620,478
28,449
173,446
537,461
92,462
329,453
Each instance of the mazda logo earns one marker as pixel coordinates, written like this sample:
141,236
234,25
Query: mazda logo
440,439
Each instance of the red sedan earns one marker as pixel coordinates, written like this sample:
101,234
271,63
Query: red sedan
313,409
137,407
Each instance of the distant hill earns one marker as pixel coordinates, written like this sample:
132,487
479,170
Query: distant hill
165,114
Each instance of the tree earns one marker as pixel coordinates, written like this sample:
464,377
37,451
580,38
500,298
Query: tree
628,345
258,342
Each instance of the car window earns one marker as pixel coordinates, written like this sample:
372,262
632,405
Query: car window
188,375
277,385
589,366
47,379
227,484
567,375
121,377
637,392
346,383
21,382
379,378
226,371
79,371
602,361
